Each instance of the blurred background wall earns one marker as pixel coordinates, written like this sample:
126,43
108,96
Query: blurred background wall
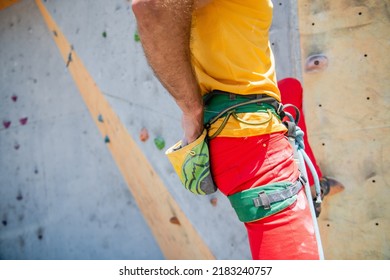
62,195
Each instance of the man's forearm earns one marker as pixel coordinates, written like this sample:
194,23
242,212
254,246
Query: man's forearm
164,28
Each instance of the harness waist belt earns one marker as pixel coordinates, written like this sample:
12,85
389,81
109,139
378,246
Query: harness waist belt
262,98
218,103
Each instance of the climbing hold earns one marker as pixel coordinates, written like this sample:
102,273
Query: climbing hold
160,142
136,37
6,123
14,98
174,220
69,59
316,63
19,196
16,146
40,233
214,201
23,121
100,118
104,34
144,135
106,139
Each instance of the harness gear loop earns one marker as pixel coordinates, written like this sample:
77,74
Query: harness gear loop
262,200
221,127
254,123
231,110
234,114
297,113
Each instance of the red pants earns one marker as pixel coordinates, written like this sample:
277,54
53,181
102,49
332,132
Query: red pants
241,163
292,93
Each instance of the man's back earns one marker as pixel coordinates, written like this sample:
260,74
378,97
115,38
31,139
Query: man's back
230,47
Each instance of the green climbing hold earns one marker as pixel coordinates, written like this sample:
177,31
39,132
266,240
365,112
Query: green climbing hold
104,34
159,142
106,139
136,37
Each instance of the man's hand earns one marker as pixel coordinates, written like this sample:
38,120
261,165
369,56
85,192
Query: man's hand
192,125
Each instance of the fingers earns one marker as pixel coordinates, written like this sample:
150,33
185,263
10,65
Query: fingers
192,127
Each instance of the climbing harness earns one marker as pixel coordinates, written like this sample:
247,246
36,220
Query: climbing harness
192,162
257,203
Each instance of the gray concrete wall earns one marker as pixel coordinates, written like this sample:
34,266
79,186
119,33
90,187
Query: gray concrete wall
285,39
61,194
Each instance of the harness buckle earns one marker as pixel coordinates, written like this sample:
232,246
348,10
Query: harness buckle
280,108
302,179
262,200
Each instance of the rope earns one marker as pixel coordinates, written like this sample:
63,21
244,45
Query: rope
301,156
301,148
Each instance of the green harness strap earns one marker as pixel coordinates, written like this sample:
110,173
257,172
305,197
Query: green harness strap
260,202
240,103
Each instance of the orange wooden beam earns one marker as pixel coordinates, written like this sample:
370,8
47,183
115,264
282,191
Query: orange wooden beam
6,3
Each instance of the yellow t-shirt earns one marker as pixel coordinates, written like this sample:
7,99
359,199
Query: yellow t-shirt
231,52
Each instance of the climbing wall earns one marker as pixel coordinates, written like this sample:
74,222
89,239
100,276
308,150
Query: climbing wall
346,80
63,192
284,39
61,195
84,127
